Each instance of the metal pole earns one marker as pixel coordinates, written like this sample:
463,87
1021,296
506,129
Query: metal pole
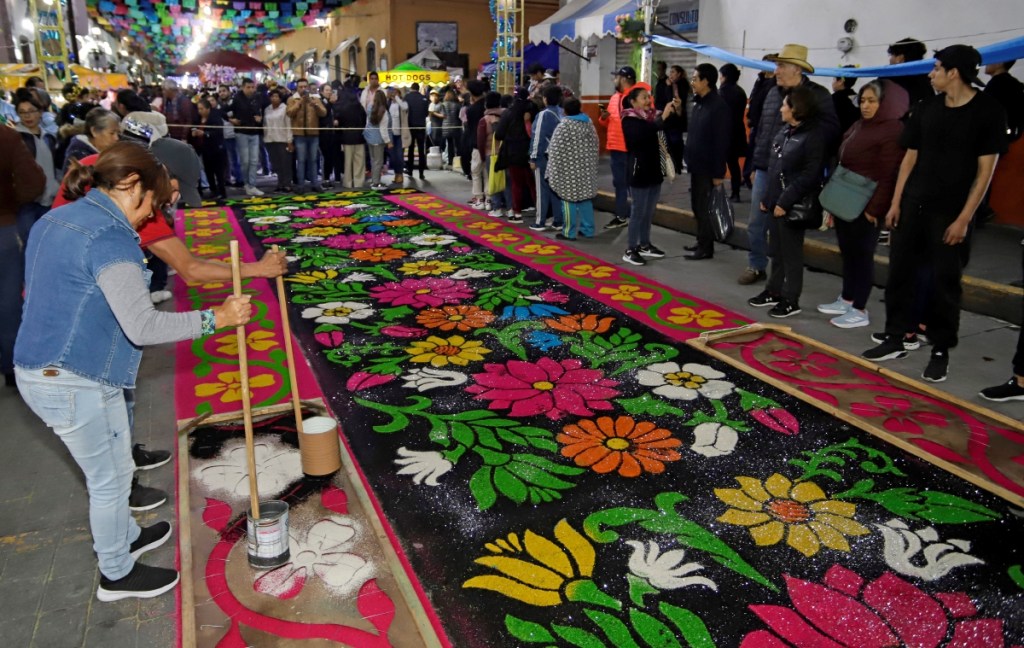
647,54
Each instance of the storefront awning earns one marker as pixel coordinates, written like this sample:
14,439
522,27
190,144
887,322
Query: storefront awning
306,57
345,44
581,19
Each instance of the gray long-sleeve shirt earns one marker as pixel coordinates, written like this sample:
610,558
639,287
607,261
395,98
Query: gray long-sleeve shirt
127,292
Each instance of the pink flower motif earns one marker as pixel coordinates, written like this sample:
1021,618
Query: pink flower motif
777,419
323,212
359,241
404,331
461,249
274,239
553,297
887,611
898,417
420,293
361,380
331,339
818,364
548,387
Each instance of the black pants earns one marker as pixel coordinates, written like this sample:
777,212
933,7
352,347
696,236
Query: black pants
330,151
735,173
157,266
857,242
917,244
701,187
676,148
1018,358
786,250
215,163
419,141
451,146
282,162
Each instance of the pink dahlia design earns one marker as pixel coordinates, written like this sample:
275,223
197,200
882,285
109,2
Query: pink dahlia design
420,293
555,389
323,212
888,611
359,241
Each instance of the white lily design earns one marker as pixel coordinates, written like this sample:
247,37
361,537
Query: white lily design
269,220
714,440
665,571
424,254
427,378
307,239
337,312
358,276
425,466
433,239
902,546
686,382
469,273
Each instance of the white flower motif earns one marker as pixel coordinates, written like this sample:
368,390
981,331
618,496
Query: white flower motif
433,239
686,382
276,465
714,440
424,254
469,273
291,258
428,378
356,206
321,551
338,312
666,571
424,466
289,208
307,239
269,220
902,546
358,276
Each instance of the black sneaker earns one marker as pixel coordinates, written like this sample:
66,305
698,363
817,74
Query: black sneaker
563,237
911,342
148,460
651,252
784,309
938,366
515,218
890,349
144,498
1008,391
538,227
633,256
616,223
142,581
151,537
764,299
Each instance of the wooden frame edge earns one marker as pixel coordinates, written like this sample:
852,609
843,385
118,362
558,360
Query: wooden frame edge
187,593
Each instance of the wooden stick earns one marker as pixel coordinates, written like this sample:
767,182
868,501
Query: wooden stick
243,371
286,328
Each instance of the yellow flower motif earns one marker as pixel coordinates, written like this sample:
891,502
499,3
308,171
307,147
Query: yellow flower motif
321,231
626,292
206,232
261,208
504,237
208,248
536,248
705,318
453,212
256,201
257,341
201,213
431,205
403,191
484,225
313,277
426,268
800,513
230,386
210,286
307,198
440,352
536,570
334,203
587,270
206,222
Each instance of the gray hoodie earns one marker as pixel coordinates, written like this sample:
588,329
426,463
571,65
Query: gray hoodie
44,158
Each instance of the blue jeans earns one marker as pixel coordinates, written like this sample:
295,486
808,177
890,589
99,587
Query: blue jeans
248,156
622,189
92,421
27,216
578,218
645,200
12,275
231,147
395,158
548,201
306,150
757,227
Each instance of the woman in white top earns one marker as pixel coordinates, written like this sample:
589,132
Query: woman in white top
378,136
401,138
277,135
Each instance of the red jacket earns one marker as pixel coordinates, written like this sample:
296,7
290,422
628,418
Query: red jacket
616,141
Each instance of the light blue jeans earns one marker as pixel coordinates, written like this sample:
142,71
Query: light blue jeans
306,150
645,201
757,227
248,156
92,421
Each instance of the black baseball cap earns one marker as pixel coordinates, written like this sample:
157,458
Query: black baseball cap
962,58
626,71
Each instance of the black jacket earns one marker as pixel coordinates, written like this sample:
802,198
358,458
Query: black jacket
245,109
846,112
771,122
511,132
707,145
736,98
643,154
1009,92
474,113
417,109
351,115
798,158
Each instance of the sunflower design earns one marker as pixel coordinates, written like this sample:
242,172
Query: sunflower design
426,268
800,513
622,444
440,352
451,318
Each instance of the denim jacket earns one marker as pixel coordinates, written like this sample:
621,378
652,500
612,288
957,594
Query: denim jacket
66,320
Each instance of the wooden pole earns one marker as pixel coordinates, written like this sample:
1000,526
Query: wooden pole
243,371
286,327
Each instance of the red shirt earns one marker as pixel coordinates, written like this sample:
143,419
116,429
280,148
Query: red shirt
153,230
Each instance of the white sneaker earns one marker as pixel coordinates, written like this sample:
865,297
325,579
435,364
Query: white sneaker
252,191
160,296
496,213
852,318
839,307
487,206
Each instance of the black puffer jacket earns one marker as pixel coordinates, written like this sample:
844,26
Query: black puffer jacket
771,122
511,131
643,155
798,161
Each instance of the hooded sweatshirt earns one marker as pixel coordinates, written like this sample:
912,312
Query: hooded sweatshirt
44,158
871,147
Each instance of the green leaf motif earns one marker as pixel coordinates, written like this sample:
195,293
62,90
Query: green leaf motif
649,405
931,506
751,401
652,631
616,631
527,631
690,626
653,352
509,485
875,461
482,489
1016,575
577,637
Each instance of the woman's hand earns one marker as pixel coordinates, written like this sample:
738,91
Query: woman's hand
892,219
779,212
762,207
827,221
290,148
956,232
235,311
871,219
273,264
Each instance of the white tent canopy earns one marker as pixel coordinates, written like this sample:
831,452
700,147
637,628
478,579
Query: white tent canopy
426,59
582,19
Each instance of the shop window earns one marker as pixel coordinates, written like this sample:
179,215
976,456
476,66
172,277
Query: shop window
371,57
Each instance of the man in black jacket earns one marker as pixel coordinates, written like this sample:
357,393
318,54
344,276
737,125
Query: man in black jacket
246,113
706,154
417,126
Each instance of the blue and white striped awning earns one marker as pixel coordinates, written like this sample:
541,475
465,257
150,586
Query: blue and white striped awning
581,19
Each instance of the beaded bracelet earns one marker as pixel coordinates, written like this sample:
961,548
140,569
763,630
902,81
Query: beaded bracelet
208,321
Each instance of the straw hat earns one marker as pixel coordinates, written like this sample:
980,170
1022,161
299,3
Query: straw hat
795,54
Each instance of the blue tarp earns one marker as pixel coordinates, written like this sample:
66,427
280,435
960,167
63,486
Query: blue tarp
545,53
1008,50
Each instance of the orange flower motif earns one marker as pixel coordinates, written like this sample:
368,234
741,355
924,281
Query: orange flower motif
625,292
535,248
503,237
334,221
451,318
402,222
377,254
622,444
581,322
704,318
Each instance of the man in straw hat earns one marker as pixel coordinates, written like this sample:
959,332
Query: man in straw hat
953,141
790,66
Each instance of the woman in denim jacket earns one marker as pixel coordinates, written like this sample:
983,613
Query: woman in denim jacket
87,316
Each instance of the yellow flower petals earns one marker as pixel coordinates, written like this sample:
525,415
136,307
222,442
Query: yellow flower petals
530,573
829,536
778,486
743,518
803,540
581,549
753,488
548,553
737,498
518,591
768,534
807,492
844,525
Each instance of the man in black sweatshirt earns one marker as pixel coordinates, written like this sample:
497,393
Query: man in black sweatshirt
417,127
246,113
706,154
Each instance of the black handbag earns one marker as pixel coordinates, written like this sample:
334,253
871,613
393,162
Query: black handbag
807,213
